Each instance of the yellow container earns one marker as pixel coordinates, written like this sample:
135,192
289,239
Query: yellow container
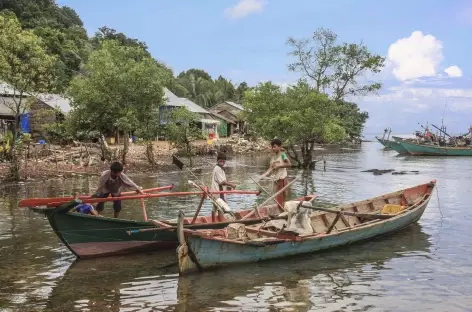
111,140
392,209
210,141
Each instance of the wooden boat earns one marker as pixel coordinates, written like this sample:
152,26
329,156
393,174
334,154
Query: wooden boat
345,224
384,142
398,147
436,150
88,236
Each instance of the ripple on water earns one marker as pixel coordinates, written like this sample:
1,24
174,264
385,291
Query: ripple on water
426,267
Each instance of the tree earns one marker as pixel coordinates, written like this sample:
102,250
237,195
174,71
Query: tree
26,67
300,116
335,68
61,30
182,129
198,86
240,91
352,119
121,90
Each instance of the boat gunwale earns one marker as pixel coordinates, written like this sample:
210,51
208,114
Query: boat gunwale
469,147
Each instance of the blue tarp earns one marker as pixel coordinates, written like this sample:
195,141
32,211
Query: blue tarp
25,123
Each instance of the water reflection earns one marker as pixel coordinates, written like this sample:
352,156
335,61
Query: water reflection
429,260
139,283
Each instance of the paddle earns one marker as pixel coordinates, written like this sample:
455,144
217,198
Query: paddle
32,202
170,194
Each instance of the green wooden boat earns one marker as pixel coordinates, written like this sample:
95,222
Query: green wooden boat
383,142
395,145
88,236
436,150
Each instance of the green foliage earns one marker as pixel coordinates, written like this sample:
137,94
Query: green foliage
24,64
335,68
182,127
61,30
198,86
300,116
352,119
121,89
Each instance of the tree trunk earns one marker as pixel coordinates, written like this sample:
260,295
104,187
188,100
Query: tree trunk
125,146
15,161
294,156
188,148
106,152
150,153
307,154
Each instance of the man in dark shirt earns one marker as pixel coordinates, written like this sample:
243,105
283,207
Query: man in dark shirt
111,182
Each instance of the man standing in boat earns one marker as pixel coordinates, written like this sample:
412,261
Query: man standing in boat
278,167
111,182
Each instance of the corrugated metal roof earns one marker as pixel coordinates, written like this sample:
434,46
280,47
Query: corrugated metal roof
223,117
53,100
174,100
4,110
235,105
56,101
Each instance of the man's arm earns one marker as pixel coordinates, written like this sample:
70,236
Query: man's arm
220,178
129,183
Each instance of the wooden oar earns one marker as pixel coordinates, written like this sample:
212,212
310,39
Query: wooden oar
32,202
167,194
256,210
354,214
199,225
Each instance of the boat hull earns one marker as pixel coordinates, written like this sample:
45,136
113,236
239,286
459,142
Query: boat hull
430,150
208,252
398,147
88,236
214,253
383,142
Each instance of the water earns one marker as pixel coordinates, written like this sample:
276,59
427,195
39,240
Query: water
426,267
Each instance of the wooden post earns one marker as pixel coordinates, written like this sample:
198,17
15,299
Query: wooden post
200,206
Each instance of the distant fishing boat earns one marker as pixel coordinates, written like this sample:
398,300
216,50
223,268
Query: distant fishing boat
345,224
436,150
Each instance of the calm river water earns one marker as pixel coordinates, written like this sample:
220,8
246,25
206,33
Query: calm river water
426,267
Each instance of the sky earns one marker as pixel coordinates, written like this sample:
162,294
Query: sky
427,45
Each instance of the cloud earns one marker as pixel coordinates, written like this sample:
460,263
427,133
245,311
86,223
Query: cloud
453,71
244,8
401,107
416,56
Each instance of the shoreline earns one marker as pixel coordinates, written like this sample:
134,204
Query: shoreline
49,162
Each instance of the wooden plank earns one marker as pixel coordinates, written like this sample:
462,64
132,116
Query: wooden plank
331,227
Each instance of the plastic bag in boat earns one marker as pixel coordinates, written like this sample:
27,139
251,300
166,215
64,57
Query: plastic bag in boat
298,220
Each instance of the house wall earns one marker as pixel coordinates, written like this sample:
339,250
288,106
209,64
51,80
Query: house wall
41,114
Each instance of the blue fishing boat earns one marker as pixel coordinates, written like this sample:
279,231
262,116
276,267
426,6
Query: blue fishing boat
345,224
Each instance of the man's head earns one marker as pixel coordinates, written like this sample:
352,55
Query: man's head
276,145
221,159
115,169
